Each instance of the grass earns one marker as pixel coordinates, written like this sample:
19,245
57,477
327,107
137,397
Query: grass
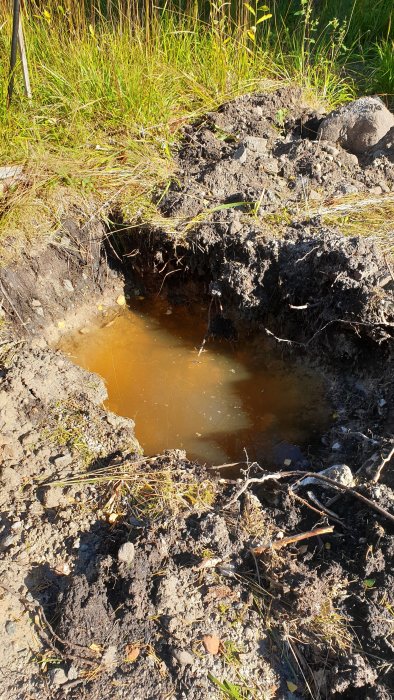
148,489
112,89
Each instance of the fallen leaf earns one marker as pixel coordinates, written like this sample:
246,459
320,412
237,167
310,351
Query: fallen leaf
291,686
132,652
211,643
369,582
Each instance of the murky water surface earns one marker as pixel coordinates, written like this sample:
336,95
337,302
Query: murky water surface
214,404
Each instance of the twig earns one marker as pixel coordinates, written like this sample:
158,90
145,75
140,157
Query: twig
379,470
319,477
257,480
278,544
321,510
353,492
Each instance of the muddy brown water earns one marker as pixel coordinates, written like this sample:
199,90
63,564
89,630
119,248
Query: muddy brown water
214,404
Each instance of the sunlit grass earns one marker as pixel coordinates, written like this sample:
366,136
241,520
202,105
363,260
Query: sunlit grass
112,91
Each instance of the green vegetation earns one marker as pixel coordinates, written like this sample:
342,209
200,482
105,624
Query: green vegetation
114,81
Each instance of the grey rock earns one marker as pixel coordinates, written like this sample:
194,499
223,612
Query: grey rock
10,172
357,126
126,553
241,153
63,460
184,658
72,674
58,676
256,144
340,473
7,541
10,627
271,167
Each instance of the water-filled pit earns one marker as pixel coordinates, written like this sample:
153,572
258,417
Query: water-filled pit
217,403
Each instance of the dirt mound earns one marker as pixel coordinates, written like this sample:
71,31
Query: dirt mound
263,150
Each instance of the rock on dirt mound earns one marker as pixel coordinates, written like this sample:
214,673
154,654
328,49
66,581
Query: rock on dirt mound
357,126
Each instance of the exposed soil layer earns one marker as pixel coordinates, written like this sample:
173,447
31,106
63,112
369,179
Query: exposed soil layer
185,606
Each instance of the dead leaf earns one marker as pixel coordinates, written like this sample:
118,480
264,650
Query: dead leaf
211,643
132,652
291,686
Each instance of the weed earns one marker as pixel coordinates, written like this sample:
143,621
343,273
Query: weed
70,430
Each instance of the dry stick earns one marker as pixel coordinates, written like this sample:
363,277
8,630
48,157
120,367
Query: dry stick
258,480
321,511
278,544
379,470
319,477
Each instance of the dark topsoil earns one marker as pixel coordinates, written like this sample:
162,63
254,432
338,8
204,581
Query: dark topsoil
313,619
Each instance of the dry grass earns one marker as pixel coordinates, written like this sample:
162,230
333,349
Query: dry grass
147,489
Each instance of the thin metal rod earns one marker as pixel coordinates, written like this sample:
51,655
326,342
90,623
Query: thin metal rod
14,48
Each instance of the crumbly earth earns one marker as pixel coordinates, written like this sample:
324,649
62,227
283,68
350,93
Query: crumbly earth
185,610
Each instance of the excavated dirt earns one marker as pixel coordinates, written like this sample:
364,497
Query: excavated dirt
185,610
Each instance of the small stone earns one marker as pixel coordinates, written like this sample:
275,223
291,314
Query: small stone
63,460
121,300
336,447
271,167
17,525
184,658
375,190
67,284
331,150
35,303
8,541
241,154
72,674
84,330
340,473
314,196
256,144
10,172
10,628
126,553
58,676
